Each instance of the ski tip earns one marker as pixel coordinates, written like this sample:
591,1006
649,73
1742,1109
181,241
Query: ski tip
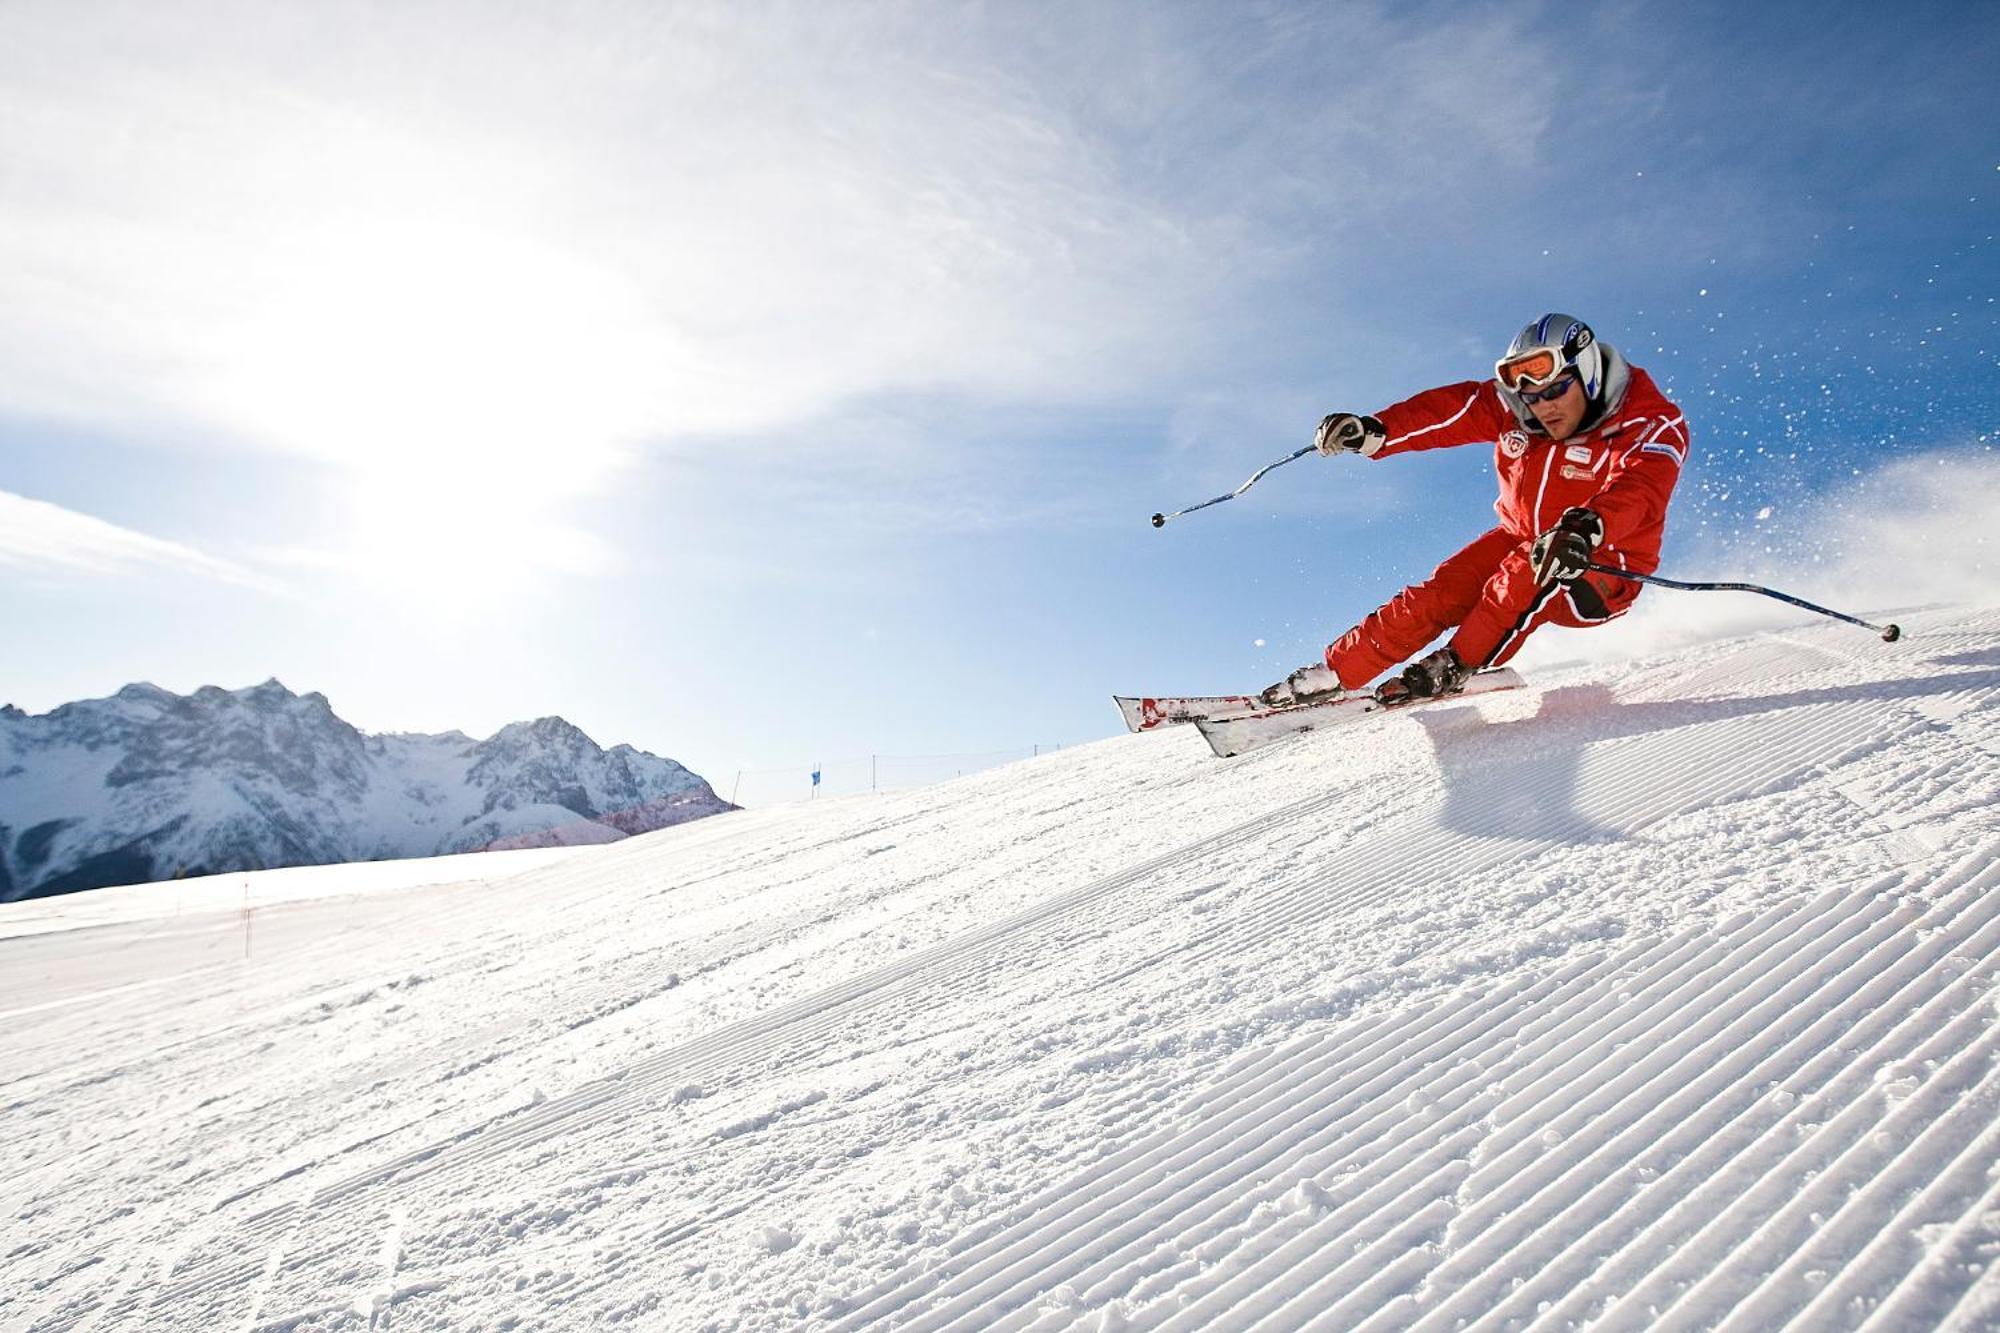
1219,743
1140,713
1128,709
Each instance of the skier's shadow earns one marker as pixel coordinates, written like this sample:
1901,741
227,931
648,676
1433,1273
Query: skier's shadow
1502,782
1977,657
1519,780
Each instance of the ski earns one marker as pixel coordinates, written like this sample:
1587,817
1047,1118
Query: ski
1234,735
1148,714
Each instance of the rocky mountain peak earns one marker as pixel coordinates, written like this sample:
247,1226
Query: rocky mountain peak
148,783
542,732
145,692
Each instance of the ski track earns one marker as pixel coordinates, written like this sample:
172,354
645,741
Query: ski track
1658,1000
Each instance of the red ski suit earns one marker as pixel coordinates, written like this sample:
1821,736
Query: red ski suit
1623,468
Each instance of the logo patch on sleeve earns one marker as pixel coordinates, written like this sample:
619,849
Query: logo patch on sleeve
1514,443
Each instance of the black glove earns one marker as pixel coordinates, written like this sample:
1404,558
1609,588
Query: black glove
1561,554
1348,433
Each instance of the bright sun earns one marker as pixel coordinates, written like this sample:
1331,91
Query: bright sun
472,385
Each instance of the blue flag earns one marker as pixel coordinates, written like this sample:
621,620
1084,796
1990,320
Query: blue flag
815,777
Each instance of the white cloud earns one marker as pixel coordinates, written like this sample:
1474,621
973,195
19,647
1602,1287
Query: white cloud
35,534
461,233
450,227
452,248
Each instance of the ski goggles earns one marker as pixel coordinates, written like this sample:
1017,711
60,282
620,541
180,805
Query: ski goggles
1530,369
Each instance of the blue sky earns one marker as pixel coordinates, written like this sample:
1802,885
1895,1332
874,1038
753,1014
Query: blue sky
762,384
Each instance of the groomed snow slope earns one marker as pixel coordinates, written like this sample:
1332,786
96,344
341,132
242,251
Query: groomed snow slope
1659,996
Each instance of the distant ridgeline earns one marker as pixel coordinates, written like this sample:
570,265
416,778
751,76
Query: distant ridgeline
149,785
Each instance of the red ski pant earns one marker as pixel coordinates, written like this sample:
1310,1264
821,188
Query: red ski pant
1489,593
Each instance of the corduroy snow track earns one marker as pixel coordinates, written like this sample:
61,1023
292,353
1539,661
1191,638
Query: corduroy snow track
1662,997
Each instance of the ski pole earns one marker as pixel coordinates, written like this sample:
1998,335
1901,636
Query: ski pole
1889,633
1160,520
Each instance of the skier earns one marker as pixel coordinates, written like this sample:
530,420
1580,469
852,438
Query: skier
1588,450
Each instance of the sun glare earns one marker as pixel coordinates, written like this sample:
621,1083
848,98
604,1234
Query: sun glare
471,384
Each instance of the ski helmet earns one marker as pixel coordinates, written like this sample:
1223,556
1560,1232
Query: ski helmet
1550,346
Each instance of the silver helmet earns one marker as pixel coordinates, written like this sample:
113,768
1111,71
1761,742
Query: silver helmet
1551,346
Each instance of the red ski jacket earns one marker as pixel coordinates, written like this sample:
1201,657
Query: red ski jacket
1623,468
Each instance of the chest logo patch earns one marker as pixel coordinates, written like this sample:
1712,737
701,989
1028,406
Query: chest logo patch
1514,443
1577,453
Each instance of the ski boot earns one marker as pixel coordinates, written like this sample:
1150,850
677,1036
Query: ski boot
1430,677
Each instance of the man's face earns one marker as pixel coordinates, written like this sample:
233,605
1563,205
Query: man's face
1560,416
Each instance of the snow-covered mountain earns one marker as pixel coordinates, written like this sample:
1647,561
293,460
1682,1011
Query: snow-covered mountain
148,784
1659,995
